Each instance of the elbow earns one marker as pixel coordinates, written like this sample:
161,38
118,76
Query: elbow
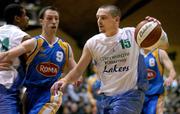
175,74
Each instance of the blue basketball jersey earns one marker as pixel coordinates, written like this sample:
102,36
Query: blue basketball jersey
45,64
155,73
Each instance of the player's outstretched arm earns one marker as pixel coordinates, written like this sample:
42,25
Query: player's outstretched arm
75,73
25,47
168,66
71,64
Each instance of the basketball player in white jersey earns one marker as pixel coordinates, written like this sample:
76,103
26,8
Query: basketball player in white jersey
11,35
116,54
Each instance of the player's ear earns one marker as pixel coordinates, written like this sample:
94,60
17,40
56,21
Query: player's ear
117,18
17,19
40,21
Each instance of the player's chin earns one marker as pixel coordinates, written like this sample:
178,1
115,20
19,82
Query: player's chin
53,28
101,30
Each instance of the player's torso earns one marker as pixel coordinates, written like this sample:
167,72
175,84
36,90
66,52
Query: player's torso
116,59
10,36
155,73
46,67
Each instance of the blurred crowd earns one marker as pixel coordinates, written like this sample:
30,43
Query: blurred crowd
172,98
75,99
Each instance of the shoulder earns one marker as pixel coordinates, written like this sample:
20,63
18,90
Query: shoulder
63,43
162,53
19,34
94,39
131,29
17,30
65,46
127,32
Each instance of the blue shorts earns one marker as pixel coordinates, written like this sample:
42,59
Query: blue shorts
9,101
150,104
40,101
130,102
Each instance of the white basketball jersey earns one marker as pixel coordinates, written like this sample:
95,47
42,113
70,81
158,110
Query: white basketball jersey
10,36
117,59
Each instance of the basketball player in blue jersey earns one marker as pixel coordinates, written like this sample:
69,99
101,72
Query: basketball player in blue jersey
47,56
116,53
11,77
157,61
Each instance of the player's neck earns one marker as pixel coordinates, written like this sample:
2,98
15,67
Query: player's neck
146,51
112,33
51,38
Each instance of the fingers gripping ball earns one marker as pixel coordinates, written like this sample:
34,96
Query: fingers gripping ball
148,34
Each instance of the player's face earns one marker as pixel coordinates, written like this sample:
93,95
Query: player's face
23,20
106,22
50,21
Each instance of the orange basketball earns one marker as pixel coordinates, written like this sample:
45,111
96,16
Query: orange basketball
147,33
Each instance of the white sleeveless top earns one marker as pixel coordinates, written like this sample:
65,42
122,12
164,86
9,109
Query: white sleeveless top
10,36
117,60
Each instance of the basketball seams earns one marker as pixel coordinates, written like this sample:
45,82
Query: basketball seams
152,37
147,33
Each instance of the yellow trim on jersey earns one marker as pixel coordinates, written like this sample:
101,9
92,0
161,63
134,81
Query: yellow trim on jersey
91,81
52,106
65,47
31,56
156,55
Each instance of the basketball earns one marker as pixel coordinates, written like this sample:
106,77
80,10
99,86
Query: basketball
148,34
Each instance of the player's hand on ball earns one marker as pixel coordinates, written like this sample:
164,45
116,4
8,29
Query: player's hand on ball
148,33
148,18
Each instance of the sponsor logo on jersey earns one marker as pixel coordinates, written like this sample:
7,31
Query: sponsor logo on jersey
47,69
151,74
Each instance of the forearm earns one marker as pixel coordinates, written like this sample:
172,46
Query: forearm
73,75
172,74
25,47
78,70
15,52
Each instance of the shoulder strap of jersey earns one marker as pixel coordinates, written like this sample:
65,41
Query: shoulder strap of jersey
156,55
65,47
35,51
